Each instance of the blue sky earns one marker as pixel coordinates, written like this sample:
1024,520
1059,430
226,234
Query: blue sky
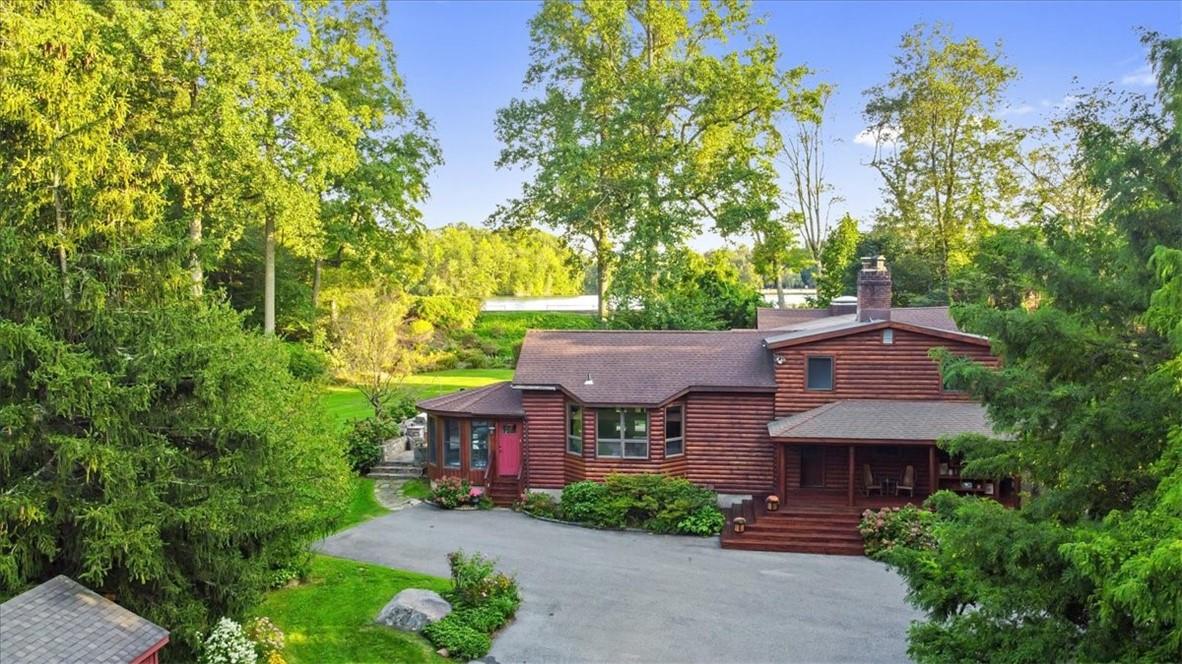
464,60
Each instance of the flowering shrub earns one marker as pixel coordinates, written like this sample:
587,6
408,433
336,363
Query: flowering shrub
451,492
539,504
268,639
908,526
228,644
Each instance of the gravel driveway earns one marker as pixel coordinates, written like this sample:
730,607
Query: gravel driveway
595,596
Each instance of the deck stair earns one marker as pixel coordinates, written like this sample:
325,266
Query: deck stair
503,491
396,470
799,529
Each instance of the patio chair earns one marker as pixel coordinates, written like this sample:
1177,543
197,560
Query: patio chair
868,482
908,482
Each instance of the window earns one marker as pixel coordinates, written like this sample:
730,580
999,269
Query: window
431,458
820,373
451,443
888,336
621,433
574,429
674,431
481,432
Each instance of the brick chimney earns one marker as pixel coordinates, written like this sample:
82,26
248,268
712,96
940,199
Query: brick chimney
874,289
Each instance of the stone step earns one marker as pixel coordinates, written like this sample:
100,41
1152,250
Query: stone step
393,475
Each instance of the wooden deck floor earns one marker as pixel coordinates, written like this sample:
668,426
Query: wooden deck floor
830,502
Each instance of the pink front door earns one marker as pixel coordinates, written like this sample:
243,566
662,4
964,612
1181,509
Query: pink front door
509,449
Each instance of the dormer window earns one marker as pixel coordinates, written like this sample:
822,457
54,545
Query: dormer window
819,373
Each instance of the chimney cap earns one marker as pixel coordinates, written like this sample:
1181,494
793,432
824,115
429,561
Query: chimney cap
875,263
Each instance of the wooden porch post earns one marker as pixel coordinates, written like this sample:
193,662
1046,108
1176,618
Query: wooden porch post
781,481
850,480
933,470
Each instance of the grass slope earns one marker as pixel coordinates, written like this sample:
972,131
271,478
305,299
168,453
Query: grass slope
499,333
363,505
329,619
345,404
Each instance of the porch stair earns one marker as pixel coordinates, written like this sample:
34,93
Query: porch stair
795,529
396,470
503,491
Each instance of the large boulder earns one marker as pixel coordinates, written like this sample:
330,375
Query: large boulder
413,609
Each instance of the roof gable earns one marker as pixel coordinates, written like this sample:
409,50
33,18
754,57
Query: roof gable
809,334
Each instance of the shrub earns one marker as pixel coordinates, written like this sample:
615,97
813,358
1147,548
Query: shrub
705,521
907,526
654,502
447,312
450,492
305,362
540,504
363,444
486,618
475,580
268,638
228,644
461,640
398,406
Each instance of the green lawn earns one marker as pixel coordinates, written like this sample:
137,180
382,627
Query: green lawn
345,404
417,488
330,618
363,506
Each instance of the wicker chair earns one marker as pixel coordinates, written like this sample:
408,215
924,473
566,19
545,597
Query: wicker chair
908,482
868,482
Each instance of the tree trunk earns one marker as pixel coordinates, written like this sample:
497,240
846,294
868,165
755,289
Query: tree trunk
316,266
59,223
780,303
601,272
196,272
269,275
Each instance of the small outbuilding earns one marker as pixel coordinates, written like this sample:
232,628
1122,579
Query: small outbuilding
63,621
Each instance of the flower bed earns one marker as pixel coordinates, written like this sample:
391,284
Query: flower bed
655,503
454,493
483,601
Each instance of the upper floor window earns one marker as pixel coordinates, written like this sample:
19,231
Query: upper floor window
451,443
574,429
674,431
621,433
819,373
481,433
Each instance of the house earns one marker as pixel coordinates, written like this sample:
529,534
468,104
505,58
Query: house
63,621
831,410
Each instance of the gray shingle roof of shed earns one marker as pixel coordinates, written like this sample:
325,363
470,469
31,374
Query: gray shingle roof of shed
496,399
63,621
883,419
643,368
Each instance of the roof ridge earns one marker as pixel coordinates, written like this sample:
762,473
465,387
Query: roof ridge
807,415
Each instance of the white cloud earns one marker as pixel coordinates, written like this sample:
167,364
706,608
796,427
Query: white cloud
1142,77
1067,102
872,136
1021,109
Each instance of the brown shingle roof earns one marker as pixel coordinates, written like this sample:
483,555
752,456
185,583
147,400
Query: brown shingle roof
767,318
643,368
63,621
498,399
881,419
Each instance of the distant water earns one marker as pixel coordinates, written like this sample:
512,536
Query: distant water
795,297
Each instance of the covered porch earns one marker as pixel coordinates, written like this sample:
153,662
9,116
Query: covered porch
829,476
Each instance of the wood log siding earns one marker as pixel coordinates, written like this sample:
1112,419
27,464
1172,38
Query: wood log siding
726,441
866,368
545,448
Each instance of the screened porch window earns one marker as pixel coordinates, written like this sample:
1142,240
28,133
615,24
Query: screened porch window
621,433
481,432
674,431
574,429
451,443
431,431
